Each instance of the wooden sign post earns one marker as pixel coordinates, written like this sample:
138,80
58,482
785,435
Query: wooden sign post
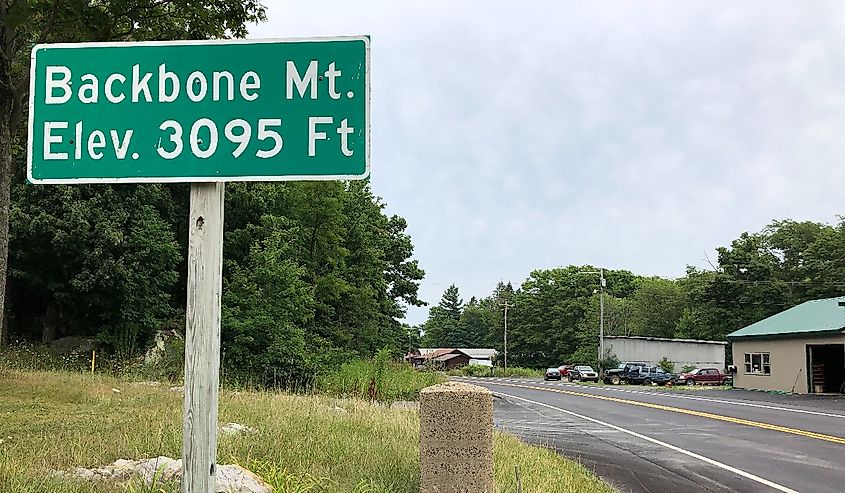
202,338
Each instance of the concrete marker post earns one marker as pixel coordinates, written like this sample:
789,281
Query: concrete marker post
456,439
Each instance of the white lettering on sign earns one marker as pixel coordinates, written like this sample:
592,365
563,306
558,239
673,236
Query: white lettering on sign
249,82
332,74
196,87
215,83
140,84
202,138
110,88
175,137
163,77
302,83
120,146
59,80
242,138
96,141
344,130
195,140
63,84
313,134
50,139
265,133
92,87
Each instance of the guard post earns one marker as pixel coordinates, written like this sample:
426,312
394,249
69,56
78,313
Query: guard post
456,439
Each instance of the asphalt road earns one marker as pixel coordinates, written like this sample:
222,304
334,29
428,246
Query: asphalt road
644,440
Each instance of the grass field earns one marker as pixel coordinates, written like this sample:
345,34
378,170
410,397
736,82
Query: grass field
52,420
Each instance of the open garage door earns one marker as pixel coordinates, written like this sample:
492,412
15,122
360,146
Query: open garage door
826,363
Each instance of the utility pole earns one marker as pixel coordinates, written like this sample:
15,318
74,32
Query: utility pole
506,305
601,315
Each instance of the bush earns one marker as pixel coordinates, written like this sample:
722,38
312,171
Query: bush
39,357
380,378
688,368
474,371
496,371
666,365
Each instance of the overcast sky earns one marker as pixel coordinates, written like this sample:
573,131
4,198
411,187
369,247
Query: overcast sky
640,135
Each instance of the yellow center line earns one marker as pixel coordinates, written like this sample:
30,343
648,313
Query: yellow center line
719,417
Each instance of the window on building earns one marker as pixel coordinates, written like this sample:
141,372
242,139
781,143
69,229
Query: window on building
757,364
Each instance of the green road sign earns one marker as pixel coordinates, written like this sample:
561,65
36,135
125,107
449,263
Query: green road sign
199,111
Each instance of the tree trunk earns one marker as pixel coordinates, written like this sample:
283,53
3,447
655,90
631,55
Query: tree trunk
5,206
9,109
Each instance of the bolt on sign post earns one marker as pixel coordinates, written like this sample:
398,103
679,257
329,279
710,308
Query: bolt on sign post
200,112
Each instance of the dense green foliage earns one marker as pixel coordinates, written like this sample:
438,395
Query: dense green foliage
554,317
313,272
119,238
307,265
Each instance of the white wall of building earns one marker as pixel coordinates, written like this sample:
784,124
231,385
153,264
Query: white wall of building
683,352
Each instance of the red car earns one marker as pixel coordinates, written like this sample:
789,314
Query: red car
564,370
704,376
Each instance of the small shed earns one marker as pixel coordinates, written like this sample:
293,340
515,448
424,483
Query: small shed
450,358
683,352
800,350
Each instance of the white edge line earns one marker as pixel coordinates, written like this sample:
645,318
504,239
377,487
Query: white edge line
205,179
747,404
708,460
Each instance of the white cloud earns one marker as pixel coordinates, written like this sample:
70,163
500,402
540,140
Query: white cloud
516,136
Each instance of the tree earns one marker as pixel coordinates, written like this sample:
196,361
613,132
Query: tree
26,22
355,260
265,310
98,261
474,326
443,324
657,307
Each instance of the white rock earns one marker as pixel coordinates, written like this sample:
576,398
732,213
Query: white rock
235,429
235,479
230,478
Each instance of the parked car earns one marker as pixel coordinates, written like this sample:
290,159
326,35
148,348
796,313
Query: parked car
651,374
564,370
552,374
704,376
584,374
620,374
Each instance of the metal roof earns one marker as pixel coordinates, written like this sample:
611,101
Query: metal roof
447,357
825,315
475,353
664,339
431,353
478,353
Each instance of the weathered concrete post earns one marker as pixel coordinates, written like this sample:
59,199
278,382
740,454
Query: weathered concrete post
456,439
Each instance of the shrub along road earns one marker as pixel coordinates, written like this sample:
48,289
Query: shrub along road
650,441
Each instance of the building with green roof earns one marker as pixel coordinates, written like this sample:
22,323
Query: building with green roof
799,350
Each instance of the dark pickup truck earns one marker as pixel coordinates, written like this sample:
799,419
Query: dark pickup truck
620,374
